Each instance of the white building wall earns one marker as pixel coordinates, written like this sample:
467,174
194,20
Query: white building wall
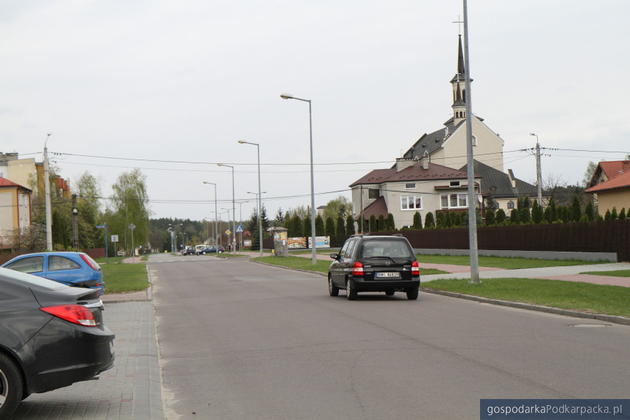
489,148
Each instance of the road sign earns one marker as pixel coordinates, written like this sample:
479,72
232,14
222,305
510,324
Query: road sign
132,226
114,238
239,229
228,231
101,226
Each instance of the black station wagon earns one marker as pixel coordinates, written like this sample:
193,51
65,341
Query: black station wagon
374,264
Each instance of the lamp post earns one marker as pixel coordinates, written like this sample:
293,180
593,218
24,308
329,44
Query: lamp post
259,202
310,129
259,198
216,216
233,207
538,169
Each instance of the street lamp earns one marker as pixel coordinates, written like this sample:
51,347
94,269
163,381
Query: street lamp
310,127
259,200
233,207
216,216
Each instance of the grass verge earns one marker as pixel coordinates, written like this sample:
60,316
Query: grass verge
508,263
615,273
228,255
299,263
585,297
121,277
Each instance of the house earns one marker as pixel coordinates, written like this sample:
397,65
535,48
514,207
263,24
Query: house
504,189
447,146
410,186
15,203
610,185
29,173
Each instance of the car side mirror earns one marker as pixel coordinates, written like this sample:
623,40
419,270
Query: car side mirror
334,256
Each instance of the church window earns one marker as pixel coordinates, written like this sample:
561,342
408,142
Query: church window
373,193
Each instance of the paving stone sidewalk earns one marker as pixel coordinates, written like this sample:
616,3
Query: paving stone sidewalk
130,390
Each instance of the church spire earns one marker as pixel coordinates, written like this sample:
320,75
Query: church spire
460,59
459,86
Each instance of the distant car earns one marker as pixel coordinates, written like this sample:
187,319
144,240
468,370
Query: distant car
212,250
189,250
376,264
51,336
75,269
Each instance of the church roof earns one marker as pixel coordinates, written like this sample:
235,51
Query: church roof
432,141
497,183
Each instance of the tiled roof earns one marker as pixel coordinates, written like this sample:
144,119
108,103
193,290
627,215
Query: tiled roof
620,181
614,168
7,183
411,173
497,183
377,208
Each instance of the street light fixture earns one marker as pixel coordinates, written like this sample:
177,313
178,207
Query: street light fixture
310,127
259,201
216,215
233,207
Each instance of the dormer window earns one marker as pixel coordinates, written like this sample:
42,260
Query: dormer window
454,184
410,185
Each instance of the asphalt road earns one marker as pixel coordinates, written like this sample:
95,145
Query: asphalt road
239,340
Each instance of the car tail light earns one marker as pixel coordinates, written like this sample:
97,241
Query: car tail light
357,269
76,314
89,262
415,269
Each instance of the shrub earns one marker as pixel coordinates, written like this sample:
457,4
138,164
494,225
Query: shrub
429,222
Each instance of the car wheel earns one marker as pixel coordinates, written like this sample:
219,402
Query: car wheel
412,294
351,290
332,289
389,293
10,387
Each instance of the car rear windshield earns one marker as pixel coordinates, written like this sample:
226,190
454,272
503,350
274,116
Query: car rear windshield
393,248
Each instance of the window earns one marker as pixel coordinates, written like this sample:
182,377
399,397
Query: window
510,205
393,248
28,265
61,263
410,202
454,201
454,184
474,140
350,249
410,185
373,193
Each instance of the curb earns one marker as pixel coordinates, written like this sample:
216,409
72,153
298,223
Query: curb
289,268
531,307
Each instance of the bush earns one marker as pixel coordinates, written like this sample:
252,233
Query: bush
500,216
514,217
417,221
429,222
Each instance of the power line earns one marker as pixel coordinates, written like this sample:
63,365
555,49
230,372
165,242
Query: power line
586,150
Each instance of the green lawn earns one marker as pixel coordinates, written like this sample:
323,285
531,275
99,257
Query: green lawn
228,255
507,263
615,273
585,297
121,277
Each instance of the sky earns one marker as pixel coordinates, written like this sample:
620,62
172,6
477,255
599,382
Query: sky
184,80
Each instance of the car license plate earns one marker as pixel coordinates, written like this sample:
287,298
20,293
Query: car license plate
388,275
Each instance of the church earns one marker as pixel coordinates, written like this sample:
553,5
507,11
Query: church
431,175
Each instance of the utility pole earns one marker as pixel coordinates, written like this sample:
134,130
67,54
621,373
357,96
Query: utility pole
75,225
361,205
472,199
132,227
49,244
538,169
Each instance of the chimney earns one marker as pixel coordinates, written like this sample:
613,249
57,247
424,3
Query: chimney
424,162
402,163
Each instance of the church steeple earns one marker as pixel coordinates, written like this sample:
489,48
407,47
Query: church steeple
459,87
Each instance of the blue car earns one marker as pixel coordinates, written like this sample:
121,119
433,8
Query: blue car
75,269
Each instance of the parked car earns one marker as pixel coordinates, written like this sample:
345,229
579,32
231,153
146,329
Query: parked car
51,336
212,250
70,268
376,264
189,250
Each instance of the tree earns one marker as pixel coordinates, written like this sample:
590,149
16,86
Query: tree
440,219
417,221
524,215
537,213
280,219
338,206
253,227
589,211
306,227
349,226
622,214
390,225
89,213
429,222
330,230
613,214
588,173
130,206
340,231
500,216
576,211
514,216
372,226
607,215
380,224
295,226
319,226
490,219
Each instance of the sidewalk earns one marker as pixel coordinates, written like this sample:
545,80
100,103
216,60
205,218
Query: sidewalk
130,390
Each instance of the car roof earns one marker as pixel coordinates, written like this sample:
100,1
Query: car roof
66,254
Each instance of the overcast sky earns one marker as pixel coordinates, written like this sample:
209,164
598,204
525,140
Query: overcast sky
184,80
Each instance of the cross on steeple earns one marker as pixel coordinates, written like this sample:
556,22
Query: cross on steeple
459,21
